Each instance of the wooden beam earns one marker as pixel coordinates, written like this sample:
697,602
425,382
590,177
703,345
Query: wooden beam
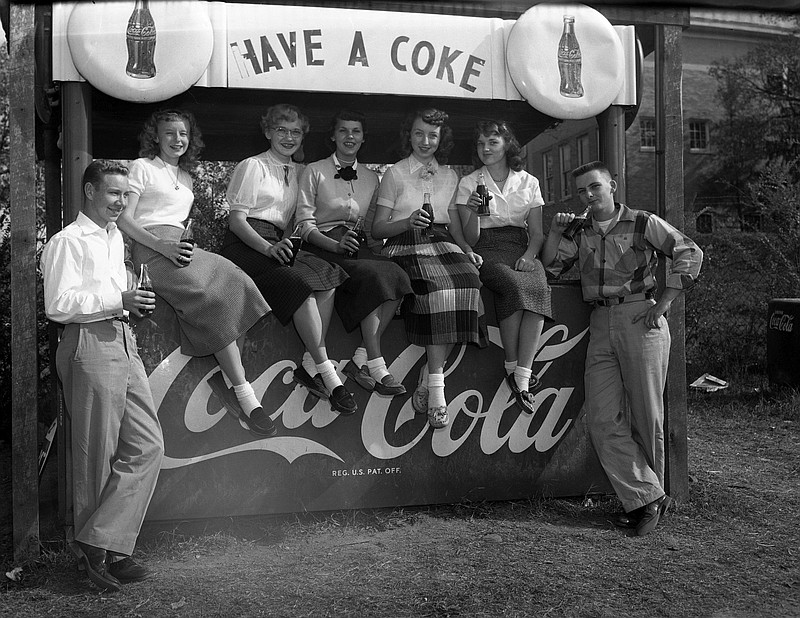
669,192
76,136
24,347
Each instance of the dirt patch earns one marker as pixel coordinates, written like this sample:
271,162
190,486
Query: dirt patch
729,551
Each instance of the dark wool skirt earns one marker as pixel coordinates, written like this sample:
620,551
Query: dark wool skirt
373,281
284,287
214,301
513,290
446,306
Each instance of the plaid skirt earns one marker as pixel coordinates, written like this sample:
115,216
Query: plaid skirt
514,290
285,288
214,301
446,306
374,280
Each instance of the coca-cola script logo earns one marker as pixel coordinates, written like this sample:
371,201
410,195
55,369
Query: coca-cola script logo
494,419
781,321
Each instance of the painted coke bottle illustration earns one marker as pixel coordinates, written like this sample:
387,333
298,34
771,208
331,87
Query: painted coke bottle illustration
141,39
569,61
358,228
426,206
483,191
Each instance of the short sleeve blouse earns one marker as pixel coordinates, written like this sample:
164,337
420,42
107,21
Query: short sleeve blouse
509,207
405,183
159,203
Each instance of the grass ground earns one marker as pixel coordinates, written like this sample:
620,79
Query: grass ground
729,551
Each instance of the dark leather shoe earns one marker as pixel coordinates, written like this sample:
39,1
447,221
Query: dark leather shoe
94,562
628,520
260,423
314,386
651,514
360,375
389,386
342,401
523,398
128,570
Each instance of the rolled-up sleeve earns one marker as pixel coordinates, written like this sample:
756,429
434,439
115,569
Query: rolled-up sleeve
565,257
686,256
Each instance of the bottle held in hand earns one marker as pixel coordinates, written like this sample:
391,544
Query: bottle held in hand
483,191
188,232
297,242
576,224
146,284
358,228
428,208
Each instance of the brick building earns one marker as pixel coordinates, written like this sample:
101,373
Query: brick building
713,34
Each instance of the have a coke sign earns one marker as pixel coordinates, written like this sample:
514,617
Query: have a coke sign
385,454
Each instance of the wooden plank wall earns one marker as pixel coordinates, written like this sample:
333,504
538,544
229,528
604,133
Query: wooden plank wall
23,283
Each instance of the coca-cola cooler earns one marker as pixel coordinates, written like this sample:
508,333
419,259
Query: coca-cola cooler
783,341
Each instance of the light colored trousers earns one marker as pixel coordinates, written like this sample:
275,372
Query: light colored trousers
626,371
116,437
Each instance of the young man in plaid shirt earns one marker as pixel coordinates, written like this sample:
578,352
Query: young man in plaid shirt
628,355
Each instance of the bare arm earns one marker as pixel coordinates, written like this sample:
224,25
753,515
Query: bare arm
280,251
456,229
383,226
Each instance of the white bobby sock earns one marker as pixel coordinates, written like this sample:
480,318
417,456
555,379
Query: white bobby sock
377,368
436,390
246,397
328,373
509,366
523,378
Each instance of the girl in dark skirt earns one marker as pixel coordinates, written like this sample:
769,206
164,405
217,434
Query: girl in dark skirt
262,195
214,301
334,193
507,244
446,308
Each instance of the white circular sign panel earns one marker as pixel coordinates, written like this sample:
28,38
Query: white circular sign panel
139,57
569,77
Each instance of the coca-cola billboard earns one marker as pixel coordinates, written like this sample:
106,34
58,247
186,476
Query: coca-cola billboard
385,454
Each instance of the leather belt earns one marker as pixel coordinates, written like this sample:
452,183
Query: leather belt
618,300
121,318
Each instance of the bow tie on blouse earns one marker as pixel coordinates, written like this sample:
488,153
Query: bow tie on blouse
347,173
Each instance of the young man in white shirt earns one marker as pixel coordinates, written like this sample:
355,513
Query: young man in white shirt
116,437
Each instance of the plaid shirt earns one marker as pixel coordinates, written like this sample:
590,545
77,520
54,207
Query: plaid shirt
623,261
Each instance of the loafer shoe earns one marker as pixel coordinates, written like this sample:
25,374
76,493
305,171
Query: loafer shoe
437,417
360,375
342,401
96,567
628,520
526,402
260,423
389,386
665,504
314,385
512,384
533,384
128,570
419,399
651,513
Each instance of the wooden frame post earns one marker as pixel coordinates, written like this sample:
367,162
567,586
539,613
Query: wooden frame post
24,349
669,203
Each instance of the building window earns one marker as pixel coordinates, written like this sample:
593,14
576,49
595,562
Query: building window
564,161
647,134
698,136
704,223
583,150
547,171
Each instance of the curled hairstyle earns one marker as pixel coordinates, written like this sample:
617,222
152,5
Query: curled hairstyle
590,167
346,115
283,112
97,171
488,128
148,138
435,117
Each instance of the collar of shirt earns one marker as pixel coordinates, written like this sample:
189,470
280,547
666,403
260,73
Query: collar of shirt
338,164
273,160
88,226
415,164
621,213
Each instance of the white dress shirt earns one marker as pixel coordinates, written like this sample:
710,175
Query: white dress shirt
84,273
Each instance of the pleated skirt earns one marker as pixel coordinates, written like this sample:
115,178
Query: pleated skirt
446,306
285,288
